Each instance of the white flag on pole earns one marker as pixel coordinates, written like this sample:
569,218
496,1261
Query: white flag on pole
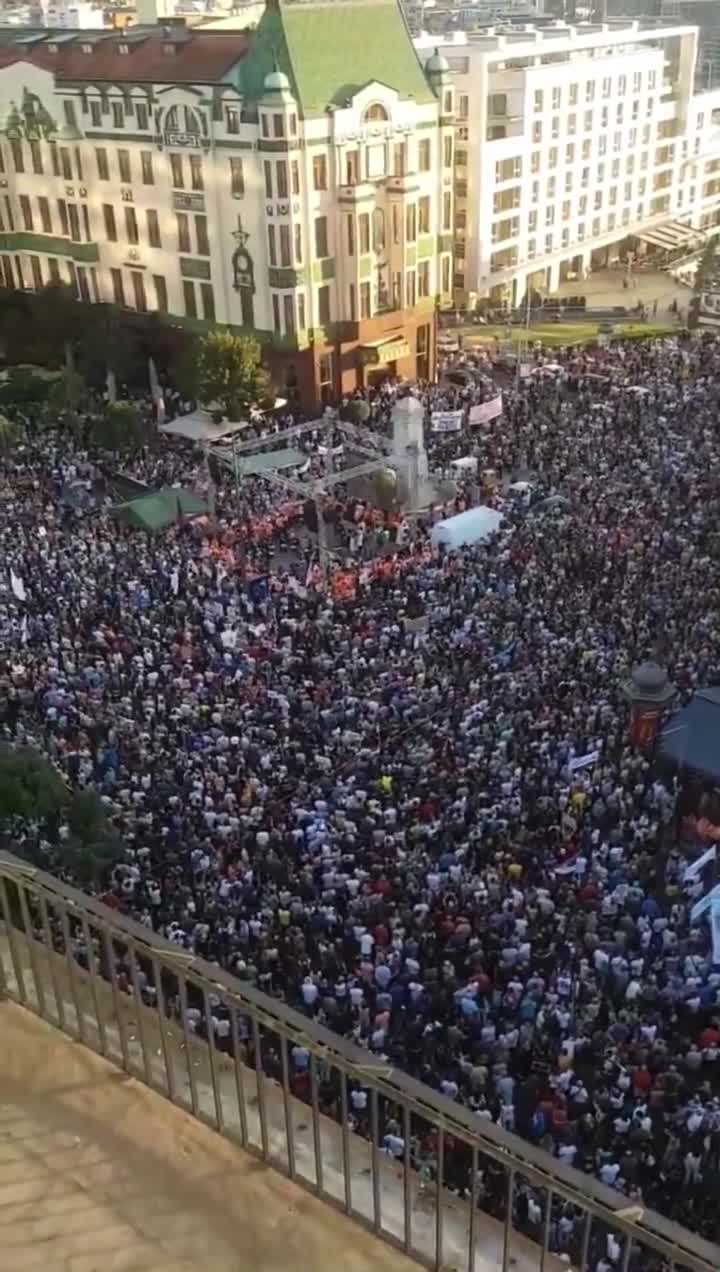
175,581
715,928
18,587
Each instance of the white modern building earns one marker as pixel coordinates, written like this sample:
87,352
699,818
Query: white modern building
571,143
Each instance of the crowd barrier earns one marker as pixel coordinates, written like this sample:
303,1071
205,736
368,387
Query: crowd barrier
419,1170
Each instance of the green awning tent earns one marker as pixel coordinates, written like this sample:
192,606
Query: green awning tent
265,462
160,509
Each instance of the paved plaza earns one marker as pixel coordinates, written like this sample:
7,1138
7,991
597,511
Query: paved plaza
605,287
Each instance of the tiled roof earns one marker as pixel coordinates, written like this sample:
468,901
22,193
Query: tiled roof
202,57
331,50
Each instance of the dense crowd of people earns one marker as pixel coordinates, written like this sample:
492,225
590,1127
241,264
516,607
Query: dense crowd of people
380,820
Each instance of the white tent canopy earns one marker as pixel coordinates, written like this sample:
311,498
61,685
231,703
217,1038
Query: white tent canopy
200,427
466,528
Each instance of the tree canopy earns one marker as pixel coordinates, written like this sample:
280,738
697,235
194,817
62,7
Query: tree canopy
29,786
83,842
119,428
229,371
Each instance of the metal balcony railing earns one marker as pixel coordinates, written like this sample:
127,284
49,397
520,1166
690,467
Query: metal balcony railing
421,1171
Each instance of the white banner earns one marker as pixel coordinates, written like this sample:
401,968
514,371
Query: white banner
446,421
584,761
18,587
484,412
715,928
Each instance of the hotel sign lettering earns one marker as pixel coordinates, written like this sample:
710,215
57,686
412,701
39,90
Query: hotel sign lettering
183,140
374,132
188,202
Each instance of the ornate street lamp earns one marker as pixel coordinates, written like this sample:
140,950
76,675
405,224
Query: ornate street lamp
650,691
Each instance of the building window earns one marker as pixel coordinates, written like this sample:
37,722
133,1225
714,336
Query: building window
201,234
36,158
146,165
117,286
16,148
54,270
109,219
350,223
352,167
131,227
321,238
189,298
69,112
153,228
183,229
411,223
538,101
378,230
364,227
232,120
141,115
138,283
176,171
285,254
161,296
63,214
423,278
196,173
208,301
323,300
103,169
295,176
272,251
447,152
267,168
237,178
36,273
281,178
298,245
537,131
325,378
319,172
424,214
445,278
447,211
301,310
95,114
352,302
118,115
277,324
278,126
410,288
124,166
26,212
289,314
45,217
425,154
364,300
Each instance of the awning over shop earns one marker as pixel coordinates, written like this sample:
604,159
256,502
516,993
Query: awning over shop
377,353
267,462
671,236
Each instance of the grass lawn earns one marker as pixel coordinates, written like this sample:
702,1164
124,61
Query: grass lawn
555,334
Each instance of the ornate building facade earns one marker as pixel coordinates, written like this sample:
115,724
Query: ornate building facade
295,181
